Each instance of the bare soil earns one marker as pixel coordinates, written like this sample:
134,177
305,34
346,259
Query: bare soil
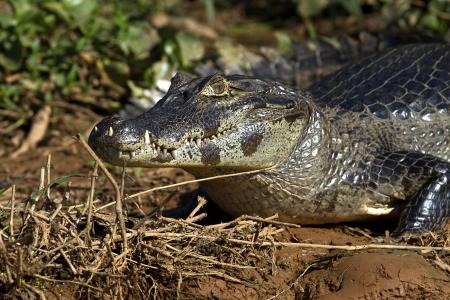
212,265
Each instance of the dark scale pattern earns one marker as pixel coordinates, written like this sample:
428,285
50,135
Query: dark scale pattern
402,99
403,82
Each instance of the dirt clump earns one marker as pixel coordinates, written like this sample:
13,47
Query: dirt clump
377,275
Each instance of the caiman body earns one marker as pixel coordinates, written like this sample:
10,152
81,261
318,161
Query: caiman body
372,139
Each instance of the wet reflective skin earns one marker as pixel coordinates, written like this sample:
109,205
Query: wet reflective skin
372,139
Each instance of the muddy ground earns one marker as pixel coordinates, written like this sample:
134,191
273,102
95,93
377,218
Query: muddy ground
235,271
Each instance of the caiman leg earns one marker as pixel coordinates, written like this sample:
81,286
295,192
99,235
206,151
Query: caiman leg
424,181
430,210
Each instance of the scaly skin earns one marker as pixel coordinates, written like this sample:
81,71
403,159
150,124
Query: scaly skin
370,140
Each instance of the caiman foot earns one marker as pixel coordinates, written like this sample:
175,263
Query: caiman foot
430,210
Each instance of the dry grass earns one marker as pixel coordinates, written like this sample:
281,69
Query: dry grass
47,246
52,244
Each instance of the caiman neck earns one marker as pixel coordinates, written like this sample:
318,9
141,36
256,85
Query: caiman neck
308,157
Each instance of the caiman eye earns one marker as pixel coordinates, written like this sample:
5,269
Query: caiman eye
217,87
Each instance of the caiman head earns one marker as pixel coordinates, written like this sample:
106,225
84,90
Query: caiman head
230,122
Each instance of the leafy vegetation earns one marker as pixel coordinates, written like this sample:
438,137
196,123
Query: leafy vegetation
89,50
433,16
64,49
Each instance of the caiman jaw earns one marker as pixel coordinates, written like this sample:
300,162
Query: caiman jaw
114,141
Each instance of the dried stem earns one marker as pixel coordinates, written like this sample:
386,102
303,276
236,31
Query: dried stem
201,202
49,160
91,200
188,182
118,201
170,235
11,215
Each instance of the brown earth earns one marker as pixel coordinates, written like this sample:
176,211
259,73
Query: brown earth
284,273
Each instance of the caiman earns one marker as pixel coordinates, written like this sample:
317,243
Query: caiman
371,140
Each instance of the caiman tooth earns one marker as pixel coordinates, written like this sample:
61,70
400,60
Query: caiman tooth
132,154
198,141
164,151
147,138
174,155
120,153
110,131
213,137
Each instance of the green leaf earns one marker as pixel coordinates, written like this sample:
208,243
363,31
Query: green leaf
311,29
3,190
351,6
11,53
432,22
72,75
140,38
6,20
284,42
191,48
59,9
7,92
81,11
310,8
34,196
118,72
209,8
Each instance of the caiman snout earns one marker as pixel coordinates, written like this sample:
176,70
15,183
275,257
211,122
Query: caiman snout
114,135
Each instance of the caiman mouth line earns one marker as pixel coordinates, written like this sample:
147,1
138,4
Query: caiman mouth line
193,142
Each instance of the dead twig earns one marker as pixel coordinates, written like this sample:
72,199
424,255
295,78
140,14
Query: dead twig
49,164
221,275
293,283
269,221
118,202
160,20
11,215
197,218
209,259
170,235
66,257
4,258
122,181
441,264
35,290
243,218
68,281
187,182
91,200
56,212
37,131
201,202
181,222
31,209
